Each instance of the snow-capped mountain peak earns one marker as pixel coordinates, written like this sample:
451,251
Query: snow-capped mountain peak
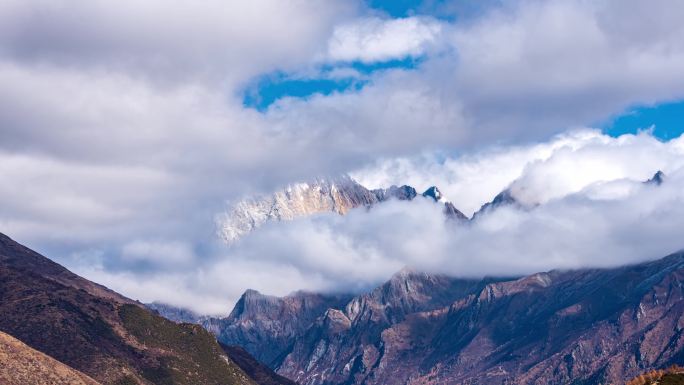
338,195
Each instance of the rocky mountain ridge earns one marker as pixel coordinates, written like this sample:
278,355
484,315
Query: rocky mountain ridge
582,327
337,195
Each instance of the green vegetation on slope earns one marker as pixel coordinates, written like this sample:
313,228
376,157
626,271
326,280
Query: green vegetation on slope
189,354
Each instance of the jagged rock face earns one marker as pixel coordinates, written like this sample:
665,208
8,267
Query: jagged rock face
281,331
450,211
266,325
407,292
338,195
344,346
585,327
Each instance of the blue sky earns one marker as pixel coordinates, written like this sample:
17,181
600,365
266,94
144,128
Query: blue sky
666,120
397,8
267,89
444,9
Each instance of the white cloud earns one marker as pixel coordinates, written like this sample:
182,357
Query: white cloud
535,173
158,253
374,39
565,62
224,43
210,288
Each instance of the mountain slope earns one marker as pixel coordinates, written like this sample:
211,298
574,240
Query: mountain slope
561,327
21,365
261,373
100,333
21,258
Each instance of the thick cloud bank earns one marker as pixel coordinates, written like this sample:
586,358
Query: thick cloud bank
586,206
123,129
566,164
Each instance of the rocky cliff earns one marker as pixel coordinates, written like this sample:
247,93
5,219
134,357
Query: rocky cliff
266,326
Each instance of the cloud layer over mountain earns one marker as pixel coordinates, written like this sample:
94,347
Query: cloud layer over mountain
584,204
124,130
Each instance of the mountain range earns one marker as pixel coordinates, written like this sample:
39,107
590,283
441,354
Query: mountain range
593,326
340,195
589,326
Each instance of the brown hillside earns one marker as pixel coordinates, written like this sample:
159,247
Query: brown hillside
99,332
21,365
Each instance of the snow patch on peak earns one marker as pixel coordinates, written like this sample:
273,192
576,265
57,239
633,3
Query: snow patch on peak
339,195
